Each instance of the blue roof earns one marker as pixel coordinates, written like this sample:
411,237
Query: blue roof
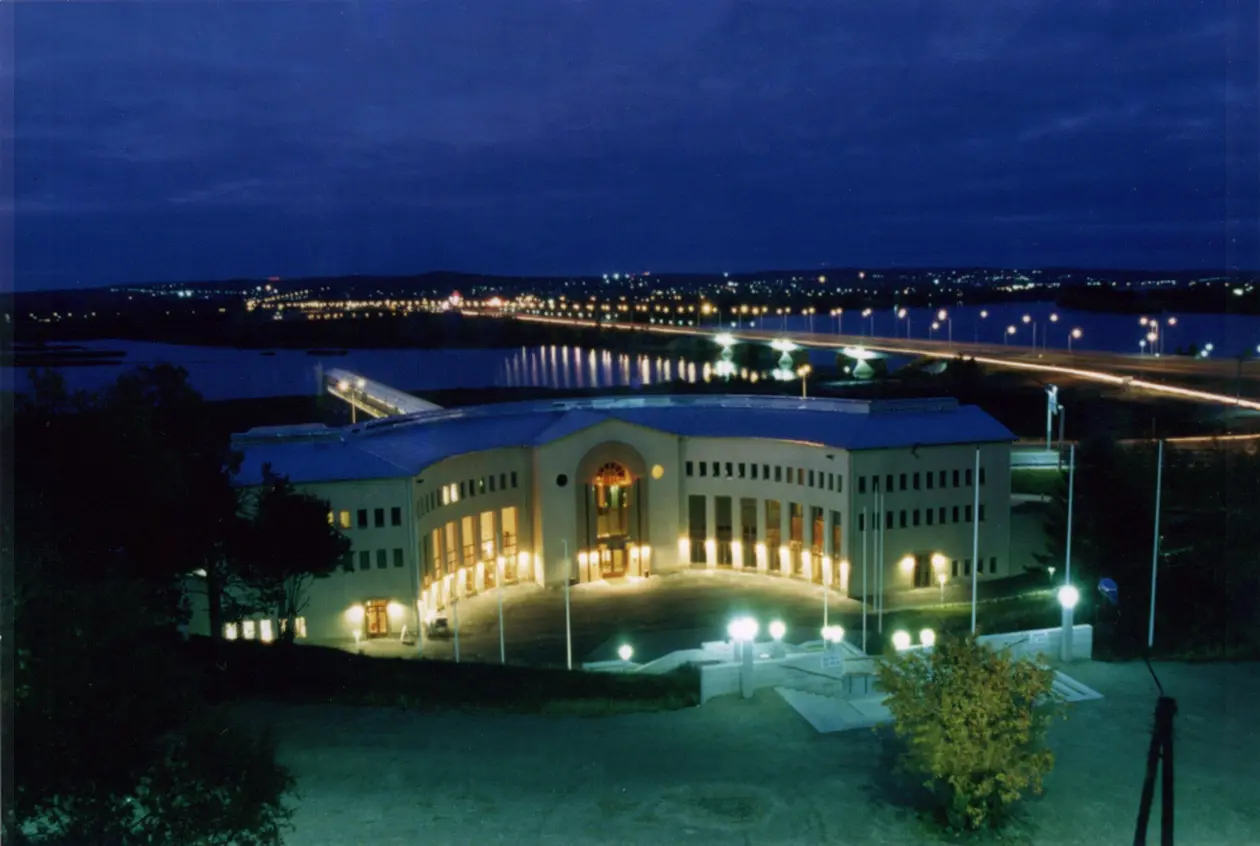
404,446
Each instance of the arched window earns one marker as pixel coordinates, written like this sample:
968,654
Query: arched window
611,474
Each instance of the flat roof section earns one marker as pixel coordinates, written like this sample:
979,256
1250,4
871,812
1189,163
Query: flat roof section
404,446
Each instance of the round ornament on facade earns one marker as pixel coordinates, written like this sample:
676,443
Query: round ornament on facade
657,471
562,480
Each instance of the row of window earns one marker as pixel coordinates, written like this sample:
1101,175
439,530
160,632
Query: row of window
722,533
264,630
341,519
930,479
455,491
907,518
966,566
464,542
366,556
790,475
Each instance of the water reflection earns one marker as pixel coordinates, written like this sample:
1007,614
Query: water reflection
579,367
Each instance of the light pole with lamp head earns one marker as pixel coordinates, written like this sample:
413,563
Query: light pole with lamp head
1074,335
1045,340
868,313
943,316
1052,406
1028,320
984,315
1010,330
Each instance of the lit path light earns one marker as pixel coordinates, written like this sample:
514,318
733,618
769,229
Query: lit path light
1090,375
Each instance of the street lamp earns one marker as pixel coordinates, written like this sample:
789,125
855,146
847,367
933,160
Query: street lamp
943,316
941,579
927,637
1068,597
1010,330
901,640
902,314
1045,341
803,371
1075,334
625,652
984,315
867,313
1028,319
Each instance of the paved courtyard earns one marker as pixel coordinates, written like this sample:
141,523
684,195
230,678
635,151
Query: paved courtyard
735,771
663,613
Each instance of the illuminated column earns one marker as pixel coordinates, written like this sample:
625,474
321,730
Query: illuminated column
710,531
737,534
785,539
762,554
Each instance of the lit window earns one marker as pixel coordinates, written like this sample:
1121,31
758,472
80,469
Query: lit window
265,632
249,629
299,627
231,631
344,518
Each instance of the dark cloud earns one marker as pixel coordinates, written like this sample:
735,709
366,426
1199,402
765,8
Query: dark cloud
187,140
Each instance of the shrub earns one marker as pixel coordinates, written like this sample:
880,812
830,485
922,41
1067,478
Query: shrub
974,721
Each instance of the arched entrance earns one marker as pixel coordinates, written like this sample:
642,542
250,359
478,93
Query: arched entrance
613,491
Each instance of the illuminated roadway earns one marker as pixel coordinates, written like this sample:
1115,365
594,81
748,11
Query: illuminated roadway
1109,368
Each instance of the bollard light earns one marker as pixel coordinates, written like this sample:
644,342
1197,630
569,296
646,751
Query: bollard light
625,652
1069,596
927,637
777,630
901,639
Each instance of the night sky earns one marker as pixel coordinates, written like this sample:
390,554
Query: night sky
163,141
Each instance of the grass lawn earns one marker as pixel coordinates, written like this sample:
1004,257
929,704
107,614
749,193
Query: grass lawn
736,771
249,670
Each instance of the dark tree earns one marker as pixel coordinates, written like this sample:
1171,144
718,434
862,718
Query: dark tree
289,543
112,733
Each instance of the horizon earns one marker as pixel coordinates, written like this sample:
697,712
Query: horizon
242,141
825,269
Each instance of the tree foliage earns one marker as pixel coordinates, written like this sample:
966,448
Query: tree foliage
122,494
974,722
288,544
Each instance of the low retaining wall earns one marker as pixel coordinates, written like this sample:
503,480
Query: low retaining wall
857,673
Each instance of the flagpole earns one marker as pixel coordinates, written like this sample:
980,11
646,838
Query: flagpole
866,591
975,541
1159,486
880,564
1067,556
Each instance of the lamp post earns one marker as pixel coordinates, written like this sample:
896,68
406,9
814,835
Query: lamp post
1074,335
944,317
1159,486
568,617
498,579
1045,340
902,314
1010,330
868,313
1052,403
1028,320
984,315
1068,597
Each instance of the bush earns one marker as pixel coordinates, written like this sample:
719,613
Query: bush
974,720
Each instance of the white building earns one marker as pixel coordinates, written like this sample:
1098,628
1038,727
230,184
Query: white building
437,504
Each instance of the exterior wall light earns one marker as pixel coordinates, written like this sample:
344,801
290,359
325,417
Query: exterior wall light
625,652
927,637
777,630
901,640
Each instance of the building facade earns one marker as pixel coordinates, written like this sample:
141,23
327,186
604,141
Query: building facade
441,505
